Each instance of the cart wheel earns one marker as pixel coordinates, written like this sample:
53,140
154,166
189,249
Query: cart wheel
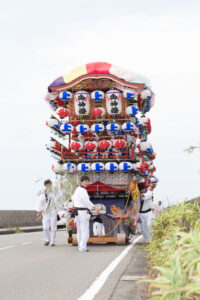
121,239
74,239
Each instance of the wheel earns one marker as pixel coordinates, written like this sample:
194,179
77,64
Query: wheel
121,239
74,239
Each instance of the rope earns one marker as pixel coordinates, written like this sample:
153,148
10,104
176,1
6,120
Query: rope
116,225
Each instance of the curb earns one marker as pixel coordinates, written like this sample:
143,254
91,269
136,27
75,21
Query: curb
21,230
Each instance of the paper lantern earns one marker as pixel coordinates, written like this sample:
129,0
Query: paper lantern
97,95
146,94
113,102
91,146
62,112
125,166
154,179
129,94
65,96
146,147
131,110
105,144
82,103
144,122
76,146
119,144
98,112
69,167
128,127
58,168
97,167
97,128
144,101
53,123
83,167
113,128
82,128
111,166
66,128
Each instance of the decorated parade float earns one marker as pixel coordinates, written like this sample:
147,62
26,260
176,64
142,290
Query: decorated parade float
100,126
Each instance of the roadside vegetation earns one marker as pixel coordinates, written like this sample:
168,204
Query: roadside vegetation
174,254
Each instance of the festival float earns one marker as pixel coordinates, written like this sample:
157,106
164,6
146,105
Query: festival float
100,126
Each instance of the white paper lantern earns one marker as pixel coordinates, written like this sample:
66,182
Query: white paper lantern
97,128
58,168
97,167
82,128
66,128
113,128
128,127
125,166
146,147
76,146
111,166
65,96
82,103
131,110
113,102
97,95
91,145
83,167
69,167
129,94
53,123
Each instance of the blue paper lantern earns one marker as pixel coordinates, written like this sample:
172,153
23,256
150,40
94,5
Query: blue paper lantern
82,128
65,96
97,167
83,167
125,166
128,127
129,95
97,128
97,95
69,167
131,111
111,167
113,128
66,128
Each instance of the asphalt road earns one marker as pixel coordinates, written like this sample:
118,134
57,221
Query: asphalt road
31,271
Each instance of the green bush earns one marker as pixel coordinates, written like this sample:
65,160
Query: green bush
174,253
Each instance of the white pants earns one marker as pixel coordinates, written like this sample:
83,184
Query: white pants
98,228
83,231
50,221
146,220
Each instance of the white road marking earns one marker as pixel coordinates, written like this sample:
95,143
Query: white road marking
95,287
6,248
25,243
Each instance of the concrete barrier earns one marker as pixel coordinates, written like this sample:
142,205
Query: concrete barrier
18,218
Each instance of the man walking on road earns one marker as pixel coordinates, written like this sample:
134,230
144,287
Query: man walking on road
82,206
145,211
47,206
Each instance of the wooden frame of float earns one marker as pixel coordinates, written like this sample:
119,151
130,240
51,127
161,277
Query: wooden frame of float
120,239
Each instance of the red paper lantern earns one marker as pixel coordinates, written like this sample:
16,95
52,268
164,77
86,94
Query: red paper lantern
62,112
105,145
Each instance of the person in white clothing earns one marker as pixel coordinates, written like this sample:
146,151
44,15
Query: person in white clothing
46,206
98,227
145,211
157,208
82,206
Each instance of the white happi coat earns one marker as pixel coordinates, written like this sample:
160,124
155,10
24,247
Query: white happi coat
146,217
81,199
47,205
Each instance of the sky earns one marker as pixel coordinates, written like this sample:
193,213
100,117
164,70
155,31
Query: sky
42,40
